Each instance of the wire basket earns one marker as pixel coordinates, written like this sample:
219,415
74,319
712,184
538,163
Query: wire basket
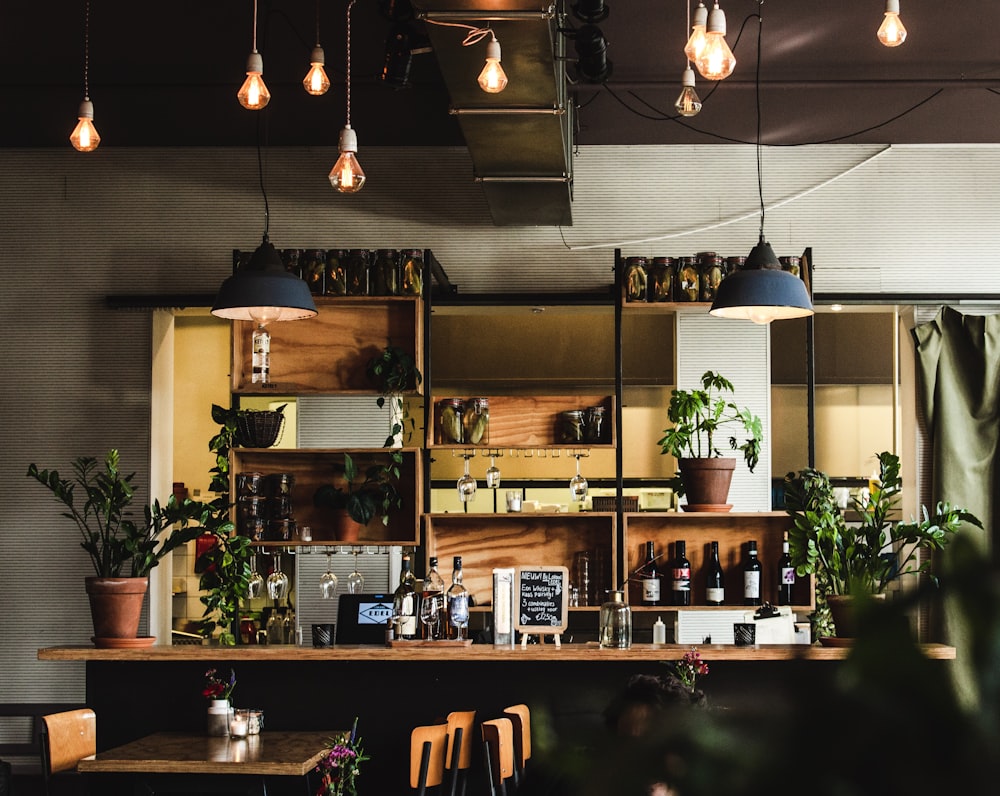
259,429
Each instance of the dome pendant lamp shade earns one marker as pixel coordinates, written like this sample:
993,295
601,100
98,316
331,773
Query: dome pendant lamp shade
762,292
263,291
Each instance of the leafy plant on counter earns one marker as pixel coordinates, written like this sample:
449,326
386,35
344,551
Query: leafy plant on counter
376,494
115,542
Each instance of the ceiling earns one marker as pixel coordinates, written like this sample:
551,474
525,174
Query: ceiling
167,75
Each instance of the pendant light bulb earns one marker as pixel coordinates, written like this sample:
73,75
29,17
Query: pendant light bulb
347,176
316,81
253,94
716,61
493,79
891,32
696,42
688,103
84,137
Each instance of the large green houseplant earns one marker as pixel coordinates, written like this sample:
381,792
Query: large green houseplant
700,418
122,551
863,557
364,495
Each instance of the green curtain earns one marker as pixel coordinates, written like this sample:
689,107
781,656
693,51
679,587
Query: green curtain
958,362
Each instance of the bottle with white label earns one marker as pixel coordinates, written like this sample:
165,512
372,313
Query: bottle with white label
751,575
786,574
650,578
715,586
405,602
260,364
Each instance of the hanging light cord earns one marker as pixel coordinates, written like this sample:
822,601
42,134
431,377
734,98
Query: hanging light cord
317,23
760,176
86,51
348,92
474,35
254,26
687,7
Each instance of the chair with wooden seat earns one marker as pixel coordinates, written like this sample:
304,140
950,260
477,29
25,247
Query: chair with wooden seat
460,725
520,719
66,739
498,752
428,745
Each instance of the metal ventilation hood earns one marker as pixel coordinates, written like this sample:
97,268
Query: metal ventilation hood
520,140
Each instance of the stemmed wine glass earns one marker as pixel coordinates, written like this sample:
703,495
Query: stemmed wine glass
578,484
255,583
328,581
467,485
493,474
355,581
430,613
277,581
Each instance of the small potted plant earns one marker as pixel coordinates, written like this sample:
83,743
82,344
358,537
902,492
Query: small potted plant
361,499
862,557
121,550
393,371
699,418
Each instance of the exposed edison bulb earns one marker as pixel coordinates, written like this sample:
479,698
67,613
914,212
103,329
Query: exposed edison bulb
891,32
493,79
688,103
696,41
716,61
762,316
84,137
316,82
347,176
253,94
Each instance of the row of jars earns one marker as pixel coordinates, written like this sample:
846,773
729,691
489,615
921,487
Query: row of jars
354,272
264,506
462,421
685,279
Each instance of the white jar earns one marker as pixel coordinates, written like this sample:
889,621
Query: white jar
218,717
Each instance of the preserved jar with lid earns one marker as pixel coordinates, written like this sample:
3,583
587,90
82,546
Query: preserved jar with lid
735,263
710,274
635,276
791,264
688,285
594,424
476,421
356,272
411,272
313,267
571,425
335,281
290,259
383,273
660,281
450,412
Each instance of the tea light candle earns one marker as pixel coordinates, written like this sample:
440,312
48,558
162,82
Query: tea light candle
238,726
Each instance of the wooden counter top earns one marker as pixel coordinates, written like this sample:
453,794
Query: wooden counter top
476,652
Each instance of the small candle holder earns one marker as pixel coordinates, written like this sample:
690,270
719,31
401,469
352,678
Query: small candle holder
239,724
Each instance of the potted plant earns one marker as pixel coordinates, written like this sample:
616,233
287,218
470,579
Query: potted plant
393,371
361,499
862,557
699,417
121,550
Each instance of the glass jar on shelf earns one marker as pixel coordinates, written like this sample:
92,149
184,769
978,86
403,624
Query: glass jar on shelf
290,259
688,285
635,277
383,273
411,272
450,412
335,282
312,265
356,272
616,622
476,421
572,425
593,429
710,274
791,264
662,272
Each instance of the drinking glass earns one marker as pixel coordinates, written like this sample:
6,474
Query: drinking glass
493,474
578,484
328,581
255,583
467,485
430,614
277,581
355,581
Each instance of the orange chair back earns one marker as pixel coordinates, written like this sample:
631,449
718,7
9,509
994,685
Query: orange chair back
498,736
464,720
520,719
436,735
72,736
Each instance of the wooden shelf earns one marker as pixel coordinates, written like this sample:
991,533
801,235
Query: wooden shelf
486,541
328,353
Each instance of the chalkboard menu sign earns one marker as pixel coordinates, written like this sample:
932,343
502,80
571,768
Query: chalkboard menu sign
542,599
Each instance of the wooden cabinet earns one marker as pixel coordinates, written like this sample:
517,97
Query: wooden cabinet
732,531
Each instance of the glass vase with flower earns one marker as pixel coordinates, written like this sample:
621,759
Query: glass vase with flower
340,765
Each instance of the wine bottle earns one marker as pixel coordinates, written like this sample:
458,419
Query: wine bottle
404,603
751,575
433,590
650,578
786,574
681,575
715,587
458,603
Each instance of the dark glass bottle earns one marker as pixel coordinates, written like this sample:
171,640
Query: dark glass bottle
786,575
751,575
405,603
433,591
715,585
681,575
458,603
650,578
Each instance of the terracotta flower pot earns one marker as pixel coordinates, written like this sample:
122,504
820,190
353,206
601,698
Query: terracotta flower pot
116,605
706,482
843,610
345,528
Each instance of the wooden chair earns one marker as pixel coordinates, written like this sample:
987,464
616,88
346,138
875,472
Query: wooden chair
66,739
520,720
460,737
427,752
498,751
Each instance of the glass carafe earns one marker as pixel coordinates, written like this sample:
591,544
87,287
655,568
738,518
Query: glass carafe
616,622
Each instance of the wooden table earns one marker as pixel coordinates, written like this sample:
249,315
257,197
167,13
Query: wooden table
171,761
